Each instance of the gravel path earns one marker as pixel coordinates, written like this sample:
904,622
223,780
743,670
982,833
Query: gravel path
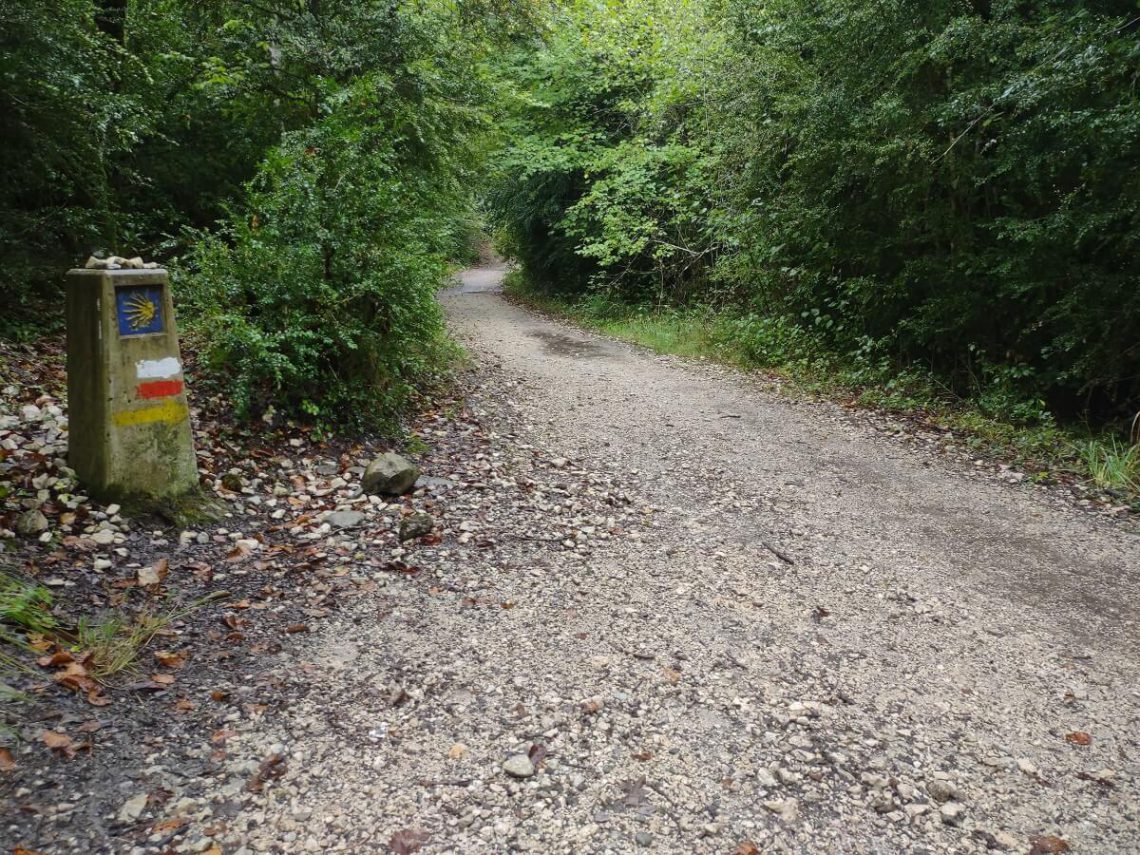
717,621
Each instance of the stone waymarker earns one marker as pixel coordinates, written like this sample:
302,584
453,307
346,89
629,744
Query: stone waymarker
128,421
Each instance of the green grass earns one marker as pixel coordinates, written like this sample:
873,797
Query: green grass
25,607
996,423
1112,465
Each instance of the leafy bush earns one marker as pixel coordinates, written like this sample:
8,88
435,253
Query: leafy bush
951,188
320,297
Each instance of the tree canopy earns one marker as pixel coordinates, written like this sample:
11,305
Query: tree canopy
952,185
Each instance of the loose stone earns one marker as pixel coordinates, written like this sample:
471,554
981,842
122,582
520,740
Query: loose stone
519,766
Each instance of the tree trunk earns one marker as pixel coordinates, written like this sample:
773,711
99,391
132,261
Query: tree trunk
111,18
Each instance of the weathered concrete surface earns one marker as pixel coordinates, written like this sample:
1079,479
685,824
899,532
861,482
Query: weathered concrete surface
129,428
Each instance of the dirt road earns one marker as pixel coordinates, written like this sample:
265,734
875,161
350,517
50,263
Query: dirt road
669,610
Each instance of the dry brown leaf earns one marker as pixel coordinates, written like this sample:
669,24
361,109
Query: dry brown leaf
96,698
60,657
671,674
294,628
7,761
62,744
1078,737
407,841
163,679
20,850
271,767
170,660
1047,845
154,574
537,754
746,848
54,740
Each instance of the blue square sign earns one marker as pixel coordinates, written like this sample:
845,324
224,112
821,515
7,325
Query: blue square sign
139,308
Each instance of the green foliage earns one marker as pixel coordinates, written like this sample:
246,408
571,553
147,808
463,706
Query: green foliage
953,187
318,296
1113,465
309,165
602,180
24,607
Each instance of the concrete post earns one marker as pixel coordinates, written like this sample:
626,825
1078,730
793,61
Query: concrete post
128,421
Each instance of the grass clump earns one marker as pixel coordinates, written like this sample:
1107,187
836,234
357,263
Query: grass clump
1112,465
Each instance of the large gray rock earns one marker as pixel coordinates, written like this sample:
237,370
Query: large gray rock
390,475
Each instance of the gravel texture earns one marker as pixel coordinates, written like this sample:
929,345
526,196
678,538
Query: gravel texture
663,608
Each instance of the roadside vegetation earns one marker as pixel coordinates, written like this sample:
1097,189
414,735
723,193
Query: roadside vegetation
934,210
1047,451
307,168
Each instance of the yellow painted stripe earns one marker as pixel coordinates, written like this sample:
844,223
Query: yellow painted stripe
169,412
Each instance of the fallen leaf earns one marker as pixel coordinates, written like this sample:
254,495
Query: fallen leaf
592,705
643,756
7,761
634,793
163,679
57,659
170,660
62,744
155,573
168,824
20,850
55,740
93,726
1078,737
746,848
271,767
1047,845
219,695
293,629
96,698
233,621
458,751
537,754
671,674
407,841
398,697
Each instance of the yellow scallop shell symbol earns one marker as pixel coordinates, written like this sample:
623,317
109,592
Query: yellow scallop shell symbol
141,311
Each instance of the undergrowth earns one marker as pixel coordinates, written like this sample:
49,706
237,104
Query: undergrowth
994,421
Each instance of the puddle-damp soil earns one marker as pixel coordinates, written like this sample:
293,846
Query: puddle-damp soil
563,345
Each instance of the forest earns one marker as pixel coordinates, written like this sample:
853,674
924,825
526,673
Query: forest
937,200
